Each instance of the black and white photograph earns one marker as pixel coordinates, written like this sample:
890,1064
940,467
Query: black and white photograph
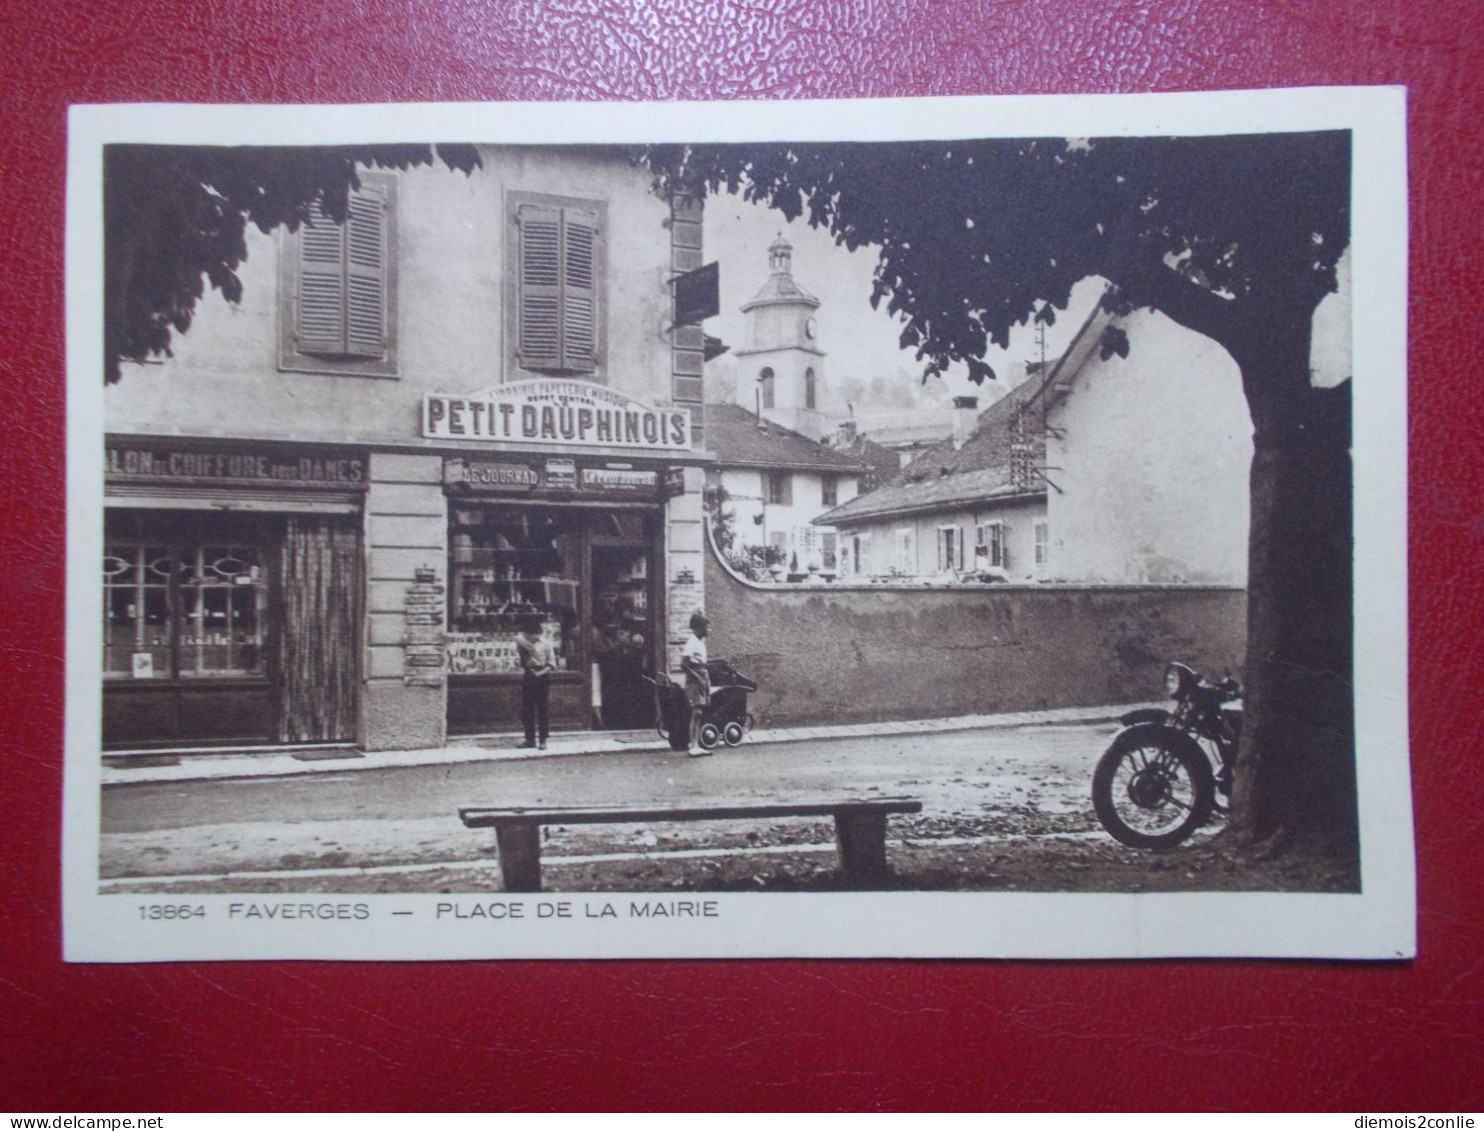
926,528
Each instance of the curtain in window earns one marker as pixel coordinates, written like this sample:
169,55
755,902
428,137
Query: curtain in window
319,638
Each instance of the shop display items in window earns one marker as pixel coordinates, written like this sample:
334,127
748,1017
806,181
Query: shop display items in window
508,564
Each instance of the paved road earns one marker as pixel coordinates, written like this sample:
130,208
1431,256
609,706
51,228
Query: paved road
407,818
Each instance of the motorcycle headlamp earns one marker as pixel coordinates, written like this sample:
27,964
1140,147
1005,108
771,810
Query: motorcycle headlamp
1172,682
1177,680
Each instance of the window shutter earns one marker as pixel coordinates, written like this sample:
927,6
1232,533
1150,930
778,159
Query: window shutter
321,313
365,276
342,280
540,287
579,299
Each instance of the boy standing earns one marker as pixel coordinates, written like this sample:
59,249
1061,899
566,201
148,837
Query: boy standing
536,665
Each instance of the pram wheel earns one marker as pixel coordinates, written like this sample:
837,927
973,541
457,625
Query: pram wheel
709,736
733,733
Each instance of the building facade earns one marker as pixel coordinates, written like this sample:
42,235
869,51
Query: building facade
773,483
1099,470
461,411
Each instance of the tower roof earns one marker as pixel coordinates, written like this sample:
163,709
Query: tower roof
780,287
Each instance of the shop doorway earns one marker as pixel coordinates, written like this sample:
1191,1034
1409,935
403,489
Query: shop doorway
622,637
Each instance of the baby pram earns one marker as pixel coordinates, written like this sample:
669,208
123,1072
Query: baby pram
725,719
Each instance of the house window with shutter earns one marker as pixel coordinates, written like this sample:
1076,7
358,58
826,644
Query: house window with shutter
989,546
556,276
338,287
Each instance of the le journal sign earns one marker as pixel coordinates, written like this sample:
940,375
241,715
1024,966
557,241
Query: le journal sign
567,413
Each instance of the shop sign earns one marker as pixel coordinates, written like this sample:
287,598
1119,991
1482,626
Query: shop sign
614,479
157,464
674,485
561,475
568,413
488,476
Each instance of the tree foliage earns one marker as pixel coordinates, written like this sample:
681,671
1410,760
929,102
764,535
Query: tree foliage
176,217
975,237
1235,237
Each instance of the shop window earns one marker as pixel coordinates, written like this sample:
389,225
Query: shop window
829,490
183,611
508,565
338,287
557,263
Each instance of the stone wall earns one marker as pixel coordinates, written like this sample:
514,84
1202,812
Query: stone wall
845,653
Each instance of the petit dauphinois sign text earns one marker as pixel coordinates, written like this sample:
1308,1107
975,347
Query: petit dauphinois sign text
572,413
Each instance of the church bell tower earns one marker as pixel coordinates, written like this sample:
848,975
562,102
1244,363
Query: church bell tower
781,367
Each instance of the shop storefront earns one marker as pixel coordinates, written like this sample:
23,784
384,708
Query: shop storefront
564,527
575,544
232,594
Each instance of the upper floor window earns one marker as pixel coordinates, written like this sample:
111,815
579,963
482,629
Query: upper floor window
829,490
556,265
338,287
1043,543
780,488
765,379
810,389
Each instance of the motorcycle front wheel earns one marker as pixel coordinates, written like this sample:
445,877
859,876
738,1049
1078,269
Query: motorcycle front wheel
1153,787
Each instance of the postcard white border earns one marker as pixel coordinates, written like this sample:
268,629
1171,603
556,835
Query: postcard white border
1379,922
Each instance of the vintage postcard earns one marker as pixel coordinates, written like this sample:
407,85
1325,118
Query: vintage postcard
925,528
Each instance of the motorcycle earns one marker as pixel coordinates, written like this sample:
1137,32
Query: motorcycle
1166,772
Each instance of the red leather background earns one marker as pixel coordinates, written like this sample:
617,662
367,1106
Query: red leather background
857,1035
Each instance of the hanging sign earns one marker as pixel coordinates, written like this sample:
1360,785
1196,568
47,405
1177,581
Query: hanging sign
564,413
697,295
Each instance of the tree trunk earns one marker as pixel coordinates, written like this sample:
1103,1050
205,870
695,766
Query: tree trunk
1296,773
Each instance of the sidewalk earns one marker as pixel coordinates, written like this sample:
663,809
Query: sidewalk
178,766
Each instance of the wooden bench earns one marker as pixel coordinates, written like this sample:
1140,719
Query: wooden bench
860,830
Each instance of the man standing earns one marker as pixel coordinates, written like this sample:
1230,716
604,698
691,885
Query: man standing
537,662
697,679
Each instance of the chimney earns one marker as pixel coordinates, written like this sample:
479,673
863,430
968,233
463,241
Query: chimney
965,415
